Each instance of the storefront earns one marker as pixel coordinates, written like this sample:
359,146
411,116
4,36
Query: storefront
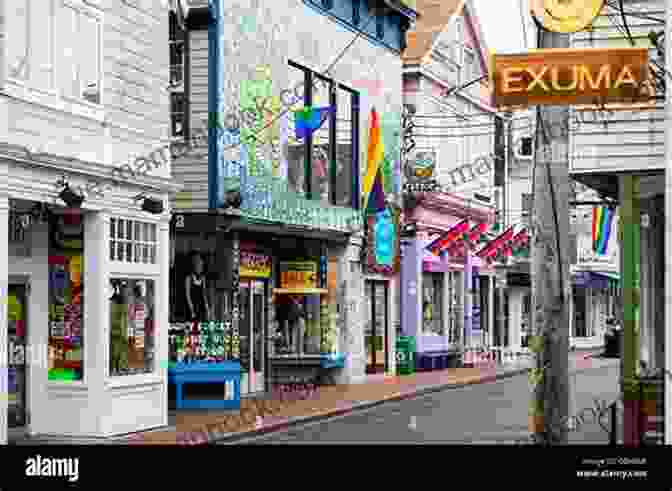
85,330
594,300
381,281
286,297
434,288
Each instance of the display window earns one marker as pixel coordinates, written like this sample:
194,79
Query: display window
132,326
66,296
432,303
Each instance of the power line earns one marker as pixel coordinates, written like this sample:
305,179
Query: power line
324,72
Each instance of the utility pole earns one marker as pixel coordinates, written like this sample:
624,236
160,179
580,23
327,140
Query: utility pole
550,269
501,151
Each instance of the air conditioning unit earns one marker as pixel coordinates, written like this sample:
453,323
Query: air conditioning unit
524,148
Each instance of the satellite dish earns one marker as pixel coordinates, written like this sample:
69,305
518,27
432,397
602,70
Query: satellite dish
566,15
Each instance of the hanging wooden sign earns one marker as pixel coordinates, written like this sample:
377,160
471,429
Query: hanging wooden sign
572,76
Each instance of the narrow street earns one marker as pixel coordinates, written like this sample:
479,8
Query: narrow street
485,413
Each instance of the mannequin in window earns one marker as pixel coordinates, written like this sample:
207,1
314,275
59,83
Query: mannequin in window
195,291
292,325
118,330
428,314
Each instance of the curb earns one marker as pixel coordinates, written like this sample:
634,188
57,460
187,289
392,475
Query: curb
233,437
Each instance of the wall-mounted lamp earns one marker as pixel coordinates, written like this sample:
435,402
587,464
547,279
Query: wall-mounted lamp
70,198
408,230
233,199
150,205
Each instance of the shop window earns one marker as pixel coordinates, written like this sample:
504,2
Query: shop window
131,326
432,303
300,328
19,239
580,321
453,307
80,35
132,241
66,297
321,166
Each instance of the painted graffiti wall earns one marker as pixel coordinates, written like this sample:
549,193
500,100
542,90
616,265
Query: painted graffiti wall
260,85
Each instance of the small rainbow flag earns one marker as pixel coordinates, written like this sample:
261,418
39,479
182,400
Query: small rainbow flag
309,119
603,217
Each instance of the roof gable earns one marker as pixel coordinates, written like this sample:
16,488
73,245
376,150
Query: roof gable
436,21
434,17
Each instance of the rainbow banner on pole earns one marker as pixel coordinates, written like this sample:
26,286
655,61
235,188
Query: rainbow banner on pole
603,217
372,187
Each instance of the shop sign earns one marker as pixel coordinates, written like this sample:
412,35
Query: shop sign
572,76
297,275
268,199
382,242
254,265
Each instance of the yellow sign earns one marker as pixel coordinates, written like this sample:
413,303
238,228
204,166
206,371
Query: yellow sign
566,15
15,310
572,76
296,275
254,265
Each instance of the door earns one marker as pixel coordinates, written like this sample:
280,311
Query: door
252,328
377,326
258,355
17,370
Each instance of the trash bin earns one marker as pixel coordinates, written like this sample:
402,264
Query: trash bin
405,348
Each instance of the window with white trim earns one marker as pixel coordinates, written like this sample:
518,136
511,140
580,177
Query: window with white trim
30,47
132,241
79,34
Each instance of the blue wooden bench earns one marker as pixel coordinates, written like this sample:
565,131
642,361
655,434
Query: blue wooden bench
435,360
206,373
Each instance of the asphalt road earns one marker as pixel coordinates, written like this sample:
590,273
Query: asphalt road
488,413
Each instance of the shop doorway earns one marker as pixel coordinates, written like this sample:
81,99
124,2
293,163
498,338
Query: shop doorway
377,326
252,327
17,372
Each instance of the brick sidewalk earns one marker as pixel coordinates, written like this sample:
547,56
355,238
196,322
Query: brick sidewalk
262,416
265,415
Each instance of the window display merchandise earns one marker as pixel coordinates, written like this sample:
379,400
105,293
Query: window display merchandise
205,353
66,298
195,291
132,344
203,342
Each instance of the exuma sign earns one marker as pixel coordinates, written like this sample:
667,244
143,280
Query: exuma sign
572,76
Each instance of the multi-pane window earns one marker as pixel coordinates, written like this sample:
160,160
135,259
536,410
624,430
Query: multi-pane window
132,331
30,58
80,38
432,303
470,67
176,43
321,166
178,101
177,113
132,241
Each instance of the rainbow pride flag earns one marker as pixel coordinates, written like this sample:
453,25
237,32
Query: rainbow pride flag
603,217
372,187
309,119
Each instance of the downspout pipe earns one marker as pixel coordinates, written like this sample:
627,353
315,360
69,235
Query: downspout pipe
215,98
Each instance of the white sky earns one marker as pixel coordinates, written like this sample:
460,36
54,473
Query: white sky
502,24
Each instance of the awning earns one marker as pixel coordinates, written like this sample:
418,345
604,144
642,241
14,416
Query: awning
593,279
611,276
300,291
